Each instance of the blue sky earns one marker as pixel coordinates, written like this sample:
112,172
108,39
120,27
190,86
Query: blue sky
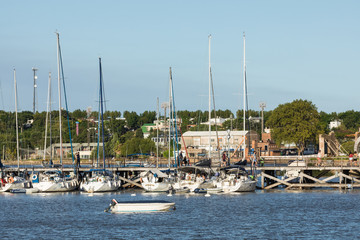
294,49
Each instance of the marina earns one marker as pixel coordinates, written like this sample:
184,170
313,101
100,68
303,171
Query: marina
222,216
274,174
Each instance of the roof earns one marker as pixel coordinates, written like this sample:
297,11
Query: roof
144,127
158,172
213,133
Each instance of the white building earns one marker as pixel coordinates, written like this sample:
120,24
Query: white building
335,124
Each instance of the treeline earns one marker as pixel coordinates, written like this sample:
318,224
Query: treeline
123,134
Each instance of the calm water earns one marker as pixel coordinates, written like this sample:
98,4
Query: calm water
261,215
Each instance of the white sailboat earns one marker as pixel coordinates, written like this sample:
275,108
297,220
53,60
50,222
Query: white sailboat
100,180
10,182
56,180
235,179
154,180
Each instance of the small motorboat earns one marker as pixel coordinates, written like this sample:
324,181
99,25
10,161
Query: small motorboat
24,190
139,206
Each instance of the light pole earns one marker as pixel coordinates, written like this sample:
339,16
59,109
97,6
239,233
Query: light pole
35,86
262,106
228,140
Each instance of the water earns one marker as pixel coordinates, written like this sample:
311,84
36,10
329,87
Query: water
279,214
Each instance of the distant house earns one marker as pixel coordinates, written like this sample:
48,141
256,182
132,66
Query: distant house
84,149
199,142
146,128
335,124
218,121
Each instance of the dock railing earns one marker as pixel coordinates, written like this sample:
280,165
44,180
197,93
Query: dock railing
309,161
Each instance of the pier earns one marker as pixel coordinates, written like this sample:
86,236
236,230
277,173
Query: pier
276,172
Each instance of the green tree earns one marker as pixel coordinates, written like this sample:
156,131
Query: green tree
296,122
132,120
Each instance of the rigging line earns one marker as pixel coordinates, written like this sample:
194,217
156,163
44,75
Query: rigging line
247,108
66,105
216,130
175,116
98,128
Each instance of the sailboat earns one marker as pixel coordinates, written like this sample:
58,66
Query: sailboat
48,163
56,180
11,182
100,180
193,177
154,180
235,178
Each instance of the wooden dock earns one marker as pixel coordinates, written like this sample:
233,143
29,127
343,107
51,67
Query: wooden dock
274,173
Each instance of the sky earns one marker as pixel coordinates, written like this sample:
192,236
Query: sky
294,50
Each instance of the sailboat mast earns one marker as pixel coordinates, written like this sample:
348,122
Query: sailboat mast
47,115
209,96
17,124
50,135
244,95
102,111
170,79
59,92
157,133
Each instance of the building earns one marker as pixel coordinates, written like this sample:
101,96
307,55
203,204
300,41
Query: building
84,149
335,124
199,142
218,121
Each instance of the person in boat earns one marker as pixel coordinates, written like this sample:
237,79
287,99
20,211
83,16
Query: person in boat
77,159
224,158
351,158
254,160
355,158
319,161
181,158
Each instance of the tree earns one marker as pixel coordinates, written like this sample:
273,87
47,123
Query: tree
296,122
132,120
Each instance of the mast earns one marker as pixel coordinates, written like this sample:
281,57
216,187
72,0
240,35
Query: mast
61,67
59,92
47,115
50,136
170,79
102,111
17,125
157,133
244,93
174,124
209,96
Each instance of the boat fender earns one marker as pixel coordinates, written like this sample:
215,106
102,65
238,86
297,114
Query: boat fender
141,179
11,180
34,177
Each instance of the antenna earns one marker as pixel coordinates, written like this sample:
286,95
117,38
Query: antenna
35,86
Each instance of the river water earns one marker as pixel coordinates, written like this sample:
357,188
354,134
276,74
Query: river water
276,214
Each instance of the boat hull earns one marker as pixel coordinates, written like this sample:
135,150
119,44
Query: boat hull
100,186
156,186
238,186
50,186
142,206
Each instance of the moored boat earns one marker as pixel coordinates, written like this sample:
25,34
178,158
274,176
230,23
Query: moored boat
99,180
155,181
54,181
142,206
